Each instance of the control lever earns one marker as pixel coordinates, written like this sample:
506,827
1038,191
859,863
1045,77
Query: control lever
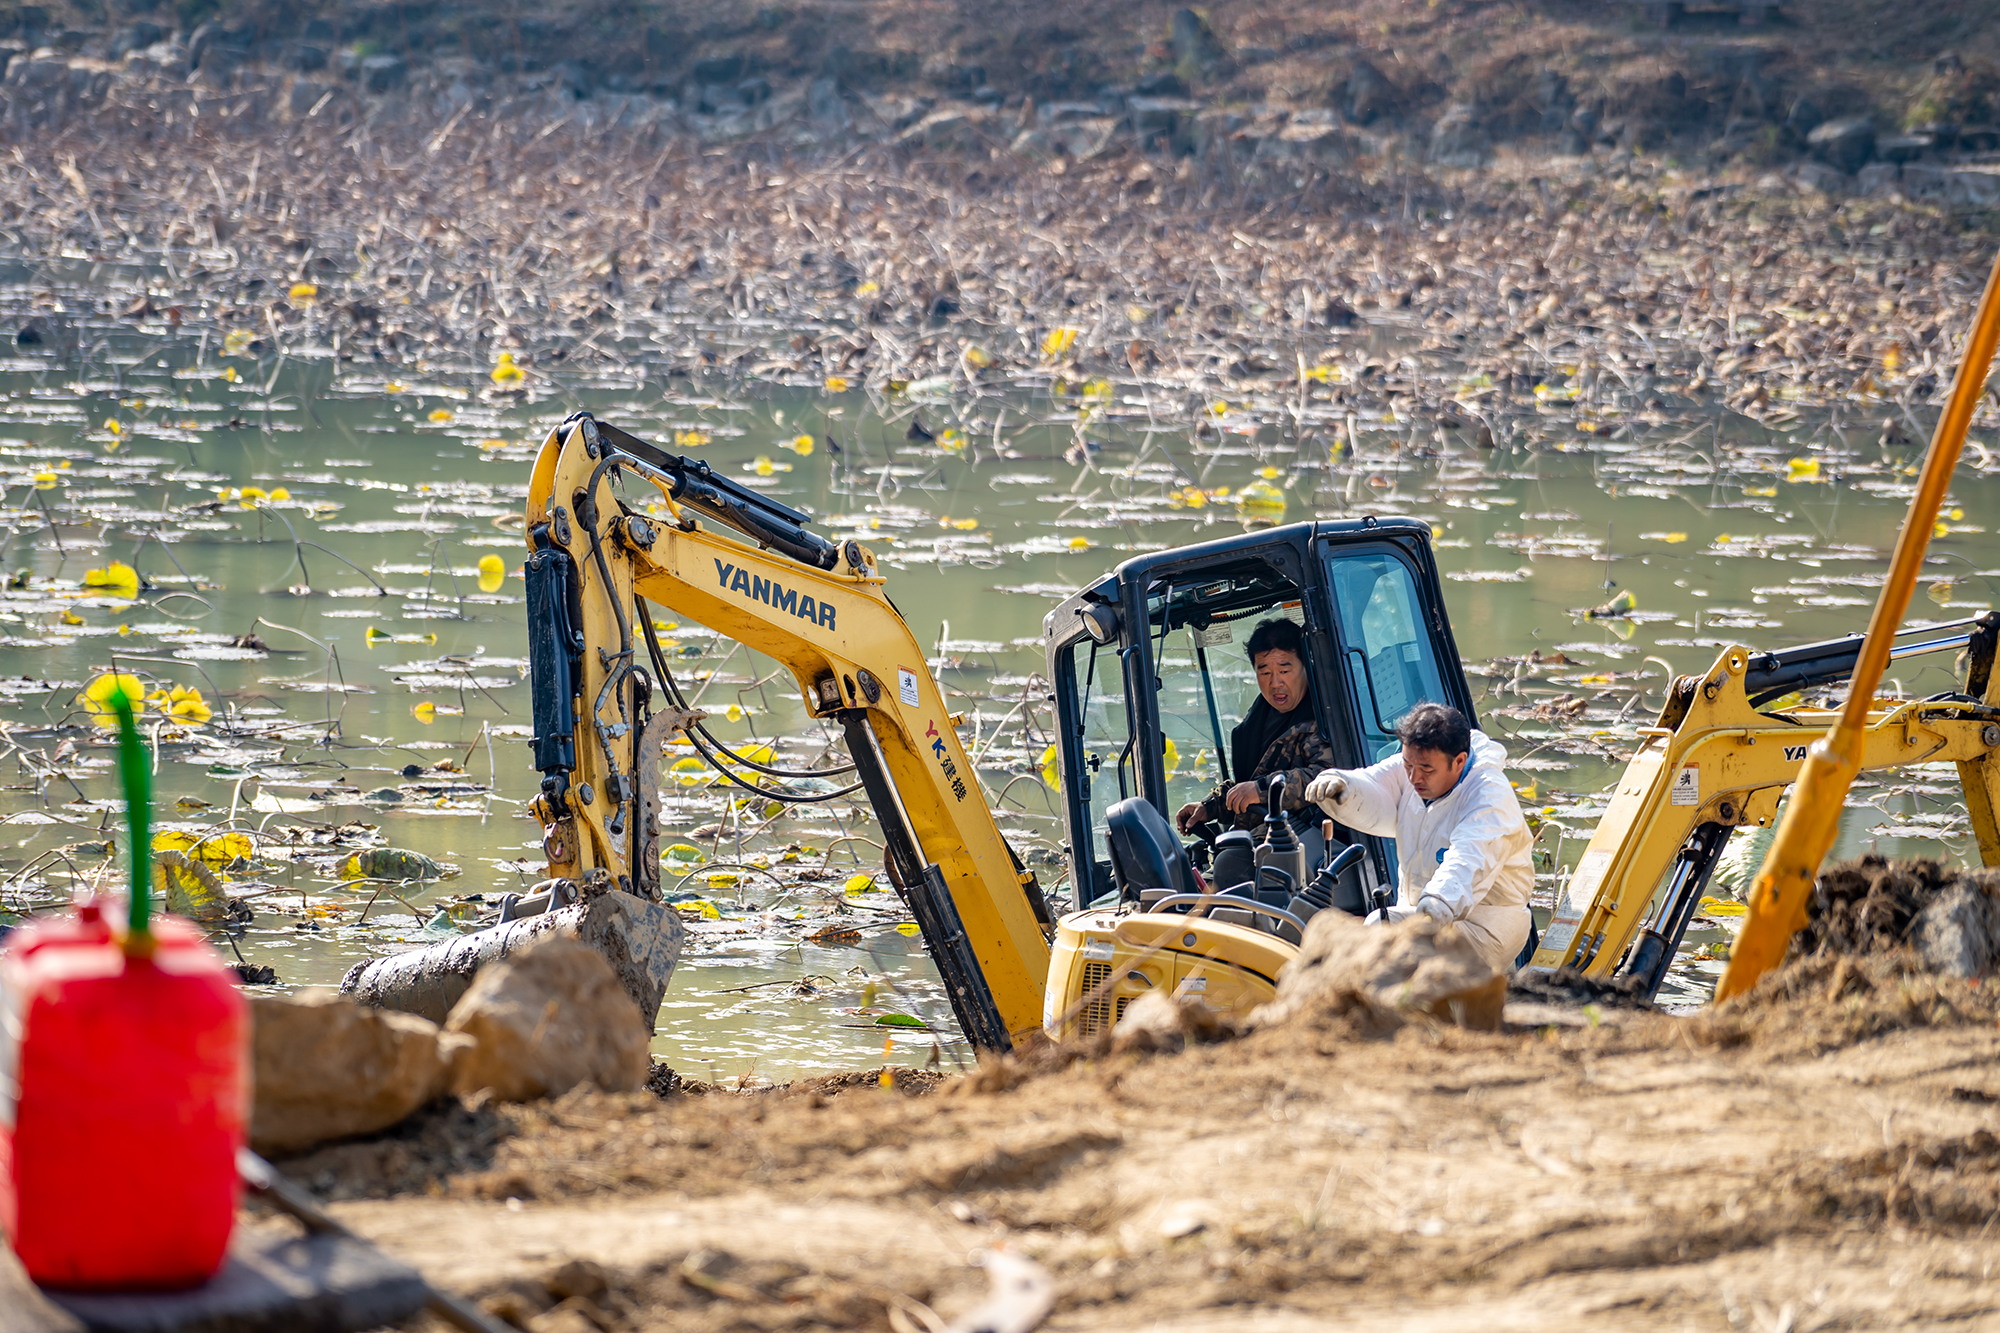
1384,897
1207,831
1318,895
1279,848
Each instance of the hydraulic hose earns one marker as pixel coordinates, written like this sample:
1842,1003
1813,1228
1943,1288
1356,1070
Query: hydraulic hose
714,756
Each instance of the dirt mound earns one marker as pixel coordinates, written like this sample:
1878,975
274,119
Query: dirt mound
1384,976
1829,1001
1949,917
1868,906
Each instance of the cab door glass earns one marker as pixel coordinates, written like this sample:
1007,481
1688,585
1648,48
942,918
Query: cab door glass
1098,710
1390,658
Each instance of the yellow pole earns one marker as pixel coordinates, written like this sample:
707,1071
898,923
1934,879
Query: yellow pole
1812,815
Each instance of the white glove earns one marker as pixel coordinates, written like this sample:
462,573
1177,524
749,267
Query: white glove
1389,916
1326,790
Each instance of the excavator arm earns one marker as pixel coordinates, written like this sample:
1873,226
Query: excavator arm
818,607
1714,762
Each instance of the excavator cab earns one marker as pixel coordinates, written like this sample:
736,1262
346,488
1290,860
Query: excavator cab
1151,676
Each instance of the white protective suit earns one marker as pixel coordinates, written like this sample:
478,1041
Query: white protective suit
1461,858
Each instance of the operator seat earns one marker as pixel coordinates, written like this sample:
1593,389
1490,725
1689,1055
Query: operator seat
1145,854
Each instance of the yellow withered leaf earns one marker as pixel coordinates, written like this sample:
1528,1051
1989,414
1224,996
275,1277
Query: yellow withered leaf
189,888
117,578
214,849
97,697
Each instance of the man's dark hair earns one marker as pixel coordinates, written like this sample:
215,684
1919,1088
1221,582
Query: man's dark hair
1278,635
1436,727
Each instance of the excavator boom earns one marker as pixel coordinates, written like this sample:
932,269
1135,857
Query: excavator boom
819,608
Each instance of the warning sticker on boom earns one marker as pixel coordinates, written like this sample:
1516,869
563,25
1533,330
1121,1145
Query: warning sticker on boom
1687,786
906,686
1577,896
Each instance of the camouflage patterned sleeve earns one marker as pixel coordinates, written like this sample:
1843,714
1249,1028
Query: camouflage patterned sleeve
1301,754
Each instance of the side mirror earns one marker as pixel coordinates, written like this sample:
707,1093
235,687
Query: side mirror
1100,622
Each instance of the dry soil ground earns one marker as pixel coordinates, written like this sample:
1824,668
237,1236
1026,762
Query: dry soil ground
1820,1156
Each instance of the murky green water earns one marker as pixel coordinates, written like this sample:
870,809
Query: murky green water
385,657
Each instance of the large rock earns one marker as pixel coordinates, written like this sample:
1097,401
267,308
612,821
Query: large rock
825,106
1847,143
1821,178
1386,974
1370,95
1304,143
1458,139
326,1068
1804,117
135,36
1160,1022
546,1020
39,75
1958,932
1083,140
951,129
1878,178
384,73
1950,184
1195,44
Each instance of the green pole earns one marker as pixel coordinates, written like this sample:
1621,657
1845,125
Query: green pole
136,768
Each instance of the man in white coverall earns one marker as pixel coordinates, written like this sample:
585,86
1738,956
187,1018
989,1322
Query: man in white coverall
1461,844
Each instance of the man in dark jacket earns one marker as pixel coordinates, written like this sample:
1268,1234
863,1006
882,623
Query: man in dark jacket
1279,734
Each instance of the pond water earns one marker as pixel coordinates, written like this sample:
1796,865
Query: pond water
315,535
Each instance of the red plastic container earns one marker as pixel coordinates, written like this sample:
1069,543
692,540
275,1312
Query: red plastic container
124,1090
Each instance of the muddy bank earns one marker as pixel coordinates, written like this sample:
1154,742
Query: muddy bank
824,230
1790,1151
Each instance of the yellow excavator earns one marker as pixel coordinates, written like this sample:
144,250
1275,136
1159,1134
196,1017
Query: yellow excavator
1145,664
746,566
